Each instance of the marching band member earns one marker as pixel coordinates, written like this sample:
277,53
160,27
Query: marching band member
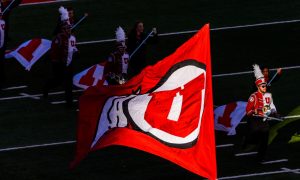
60,53
260,106
118,60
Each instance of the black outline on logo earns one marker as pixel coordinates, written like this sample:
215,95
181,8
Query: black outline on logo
160,83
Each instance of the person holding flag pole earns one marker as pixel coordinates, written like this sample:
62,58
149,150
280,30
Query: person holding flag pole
269,80
118,61
61,52
275,78
72,21
137,41
259,109
142,43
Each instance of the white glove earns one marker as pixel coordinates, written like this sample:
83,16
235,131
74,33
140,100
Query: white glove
154,31
268,112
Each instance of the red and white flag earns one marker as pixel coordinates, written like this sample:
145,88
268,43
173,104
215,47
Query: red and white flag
30,52
166,110
92,76
228,117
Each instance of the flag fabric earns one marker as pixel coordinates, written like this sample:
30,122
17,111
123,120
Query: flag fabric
228,117
30,52
92,76
166,110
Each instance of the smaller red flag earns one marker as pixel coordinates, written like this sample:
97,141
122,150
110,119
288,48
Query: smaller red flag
92,76
30,52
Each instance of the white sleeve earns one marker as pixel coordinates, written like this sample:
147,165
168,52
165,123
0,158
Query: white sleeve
272,105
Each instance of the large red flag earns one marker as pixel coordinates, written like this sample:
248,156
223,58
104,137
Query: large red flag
166,110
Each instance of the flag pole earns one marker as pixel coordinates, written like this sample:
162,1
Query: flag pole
268,117
84,16
272,78
140,44
8,7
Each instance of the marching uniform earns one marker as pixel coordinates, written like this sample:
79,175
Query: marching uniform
71,49
260,104
61,59
259,107
118,65
60,48
118,61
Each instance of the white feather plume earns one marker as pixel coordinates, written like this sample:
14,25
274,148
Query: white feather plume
257,72
120,34
64,15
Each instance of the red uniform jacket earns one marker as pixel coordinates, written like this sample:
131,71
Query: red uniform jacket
261,103
59,48
255,102
118,63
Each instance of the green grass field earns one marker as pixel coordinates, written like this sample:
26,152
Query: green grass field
27,121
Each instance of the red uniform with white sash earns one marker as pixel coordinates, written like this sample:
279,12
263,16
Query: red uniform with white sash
262,103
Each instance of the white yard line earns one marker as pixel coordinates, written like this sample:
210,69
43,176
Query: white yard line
224,145
35,95
48,2
36,146
250,72
62,102
296,171
15,97
14,87
30,96
283,170
193,31
275,161
245,154
257,25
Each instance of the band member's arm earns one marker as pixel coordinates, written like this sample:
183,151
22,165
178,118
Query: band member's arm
250,108
272,106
